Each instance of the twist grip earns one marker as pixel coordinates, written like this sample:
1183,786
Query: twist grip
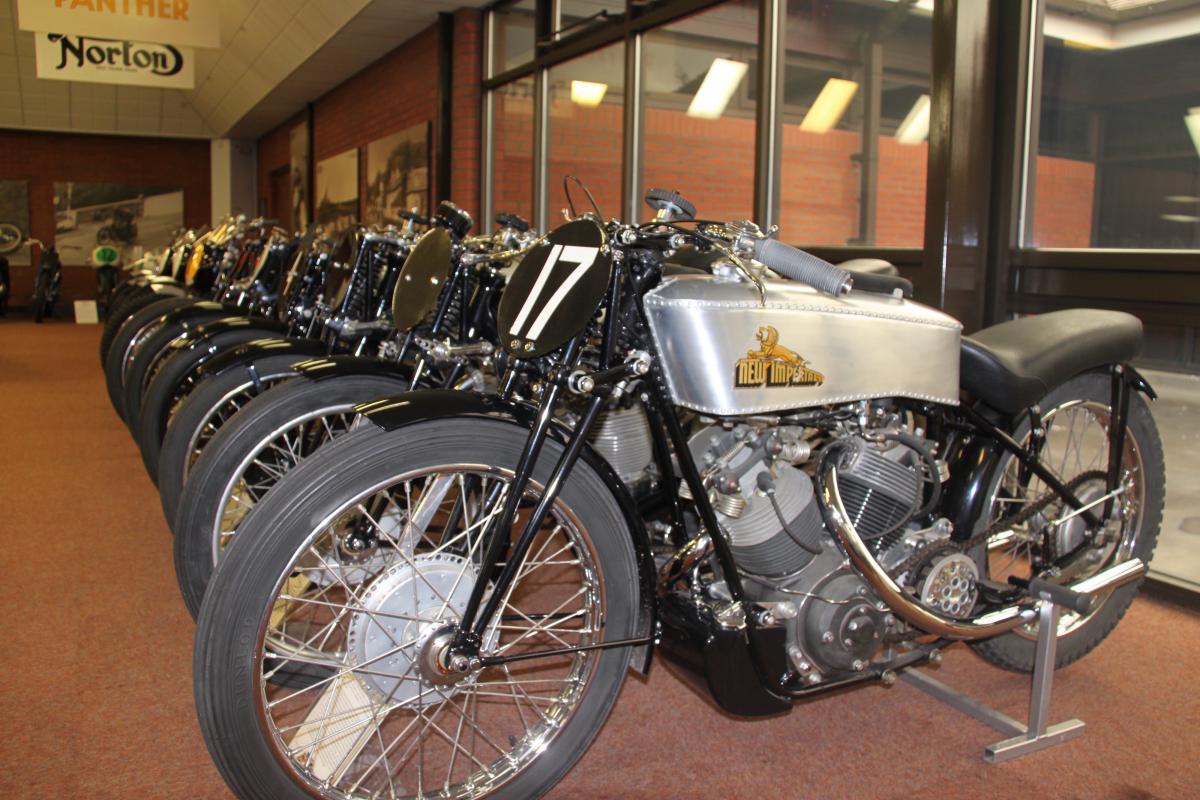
801,266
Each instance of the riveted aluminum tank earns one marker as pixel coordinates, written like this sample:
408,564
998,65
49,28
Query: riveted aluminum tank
727,352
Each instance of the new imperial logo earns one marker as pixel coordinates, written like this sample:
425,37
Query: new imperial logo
80,51
772,364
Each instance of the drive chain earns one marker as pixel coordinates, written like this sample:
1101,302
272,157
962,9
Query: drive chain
1024,515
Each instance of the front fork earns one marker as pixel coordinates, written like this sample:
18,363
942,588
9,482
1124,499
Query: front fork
478,612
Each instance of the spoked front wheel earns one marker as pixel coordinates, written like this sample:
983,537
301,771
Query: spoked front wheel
1076,417
359,563
248,456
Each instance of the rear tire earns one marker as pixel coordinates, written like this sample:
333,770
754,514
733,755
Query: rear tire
249,739
204,520
1072,410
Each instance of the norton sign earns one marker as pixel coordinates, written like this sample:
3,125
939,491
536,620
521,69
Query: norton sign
181,22
86,58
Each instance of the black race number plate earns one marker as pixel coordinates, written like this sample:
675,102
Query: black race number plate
422,279
555,290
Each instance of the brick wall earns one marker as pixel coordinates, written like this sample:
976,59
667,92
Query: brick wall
465,99
43,158
1062,203
396,92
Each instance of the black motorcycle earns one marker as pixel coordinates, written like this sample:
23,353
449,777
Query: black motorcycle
789,486
445,341
45,281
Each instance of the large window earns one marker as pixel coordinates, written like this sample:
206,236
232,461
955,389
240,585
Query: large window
1116,159
855,123
699,108
513,37
586,98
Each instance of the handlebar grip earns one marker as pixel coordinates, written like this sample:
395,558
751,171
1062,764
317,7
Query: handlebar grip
801,266
1080,603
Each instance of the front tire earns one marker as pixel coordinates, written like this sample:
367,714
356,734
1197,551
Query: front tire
126,343
39,299
173,381
217,400
526,725
276,431
1076,417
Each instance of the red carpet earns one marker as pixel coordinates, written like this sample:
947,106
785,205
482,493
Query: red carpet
96,698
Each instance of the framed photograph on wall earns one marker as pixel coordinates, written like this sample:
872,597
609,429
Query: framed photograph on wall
129,217
14,221
398,175
337,191
298,165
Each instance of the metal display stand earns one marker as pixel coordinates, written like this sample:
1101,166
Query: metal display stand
1023,739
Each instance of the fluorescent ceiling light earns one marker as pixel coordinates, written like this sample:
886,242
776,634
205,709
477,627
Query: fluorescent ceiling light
1180,218
1192,120
1181,198
587,93
923,6
829,106
717,88
915,127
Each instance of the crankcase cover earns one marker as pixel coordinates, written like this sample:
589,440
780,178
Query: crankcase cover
725,352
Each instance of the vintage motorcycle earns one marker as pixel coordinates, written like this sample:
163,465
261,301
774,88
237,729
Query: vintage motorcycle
45,281
814,482
444,338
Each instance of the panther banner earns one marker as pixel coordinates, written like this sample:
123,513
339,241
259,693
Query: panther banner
193,23
67,57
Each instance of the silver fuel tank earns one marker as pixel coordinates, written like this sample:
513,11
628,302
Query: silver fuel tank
727,353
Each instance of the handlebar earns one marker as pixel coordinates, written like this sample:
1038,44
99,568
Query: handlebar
800,266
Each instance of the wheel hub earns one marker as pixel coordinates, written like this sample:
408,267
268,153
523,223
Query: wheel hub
401,632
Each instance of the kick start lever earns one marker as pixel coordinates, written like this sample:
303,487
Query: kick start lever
1067,598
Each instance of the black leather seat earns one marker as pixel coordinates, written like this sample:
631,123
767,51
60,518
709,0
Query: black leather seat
1012,365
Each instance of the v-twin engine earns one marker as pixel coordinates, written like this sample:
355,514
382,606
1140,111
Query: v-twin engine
765,499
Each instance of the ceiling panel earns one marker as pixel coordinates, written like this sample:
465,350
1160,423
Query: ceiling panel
278,56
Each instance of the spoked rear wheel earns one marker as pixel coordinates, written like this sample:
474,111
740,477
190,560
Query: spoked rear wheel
360,561
1076,416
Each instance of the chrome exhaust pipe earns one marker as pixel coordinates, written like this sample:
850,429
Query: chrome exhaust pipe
923,618
1113,577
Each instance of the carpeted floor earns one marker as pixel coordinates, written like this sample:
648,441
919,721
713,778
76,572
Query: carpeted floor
95,681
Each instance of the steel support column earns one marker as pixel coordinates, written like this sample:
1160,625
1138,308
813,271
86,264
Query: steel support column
868,156
631,144
772,16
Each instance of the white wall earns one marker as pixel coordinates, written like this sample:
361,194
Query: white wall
234,177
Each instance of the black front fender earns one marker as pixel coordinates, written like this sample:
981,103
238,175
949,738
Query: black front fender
319,369
398,411
195,336
259,348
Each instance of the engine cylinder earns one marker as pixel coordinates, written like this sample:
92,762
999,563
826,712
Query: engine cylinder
879,493
760,545
622,437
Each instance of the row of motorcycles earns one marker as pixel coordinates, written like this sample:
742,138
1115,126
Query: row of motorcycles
434,493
